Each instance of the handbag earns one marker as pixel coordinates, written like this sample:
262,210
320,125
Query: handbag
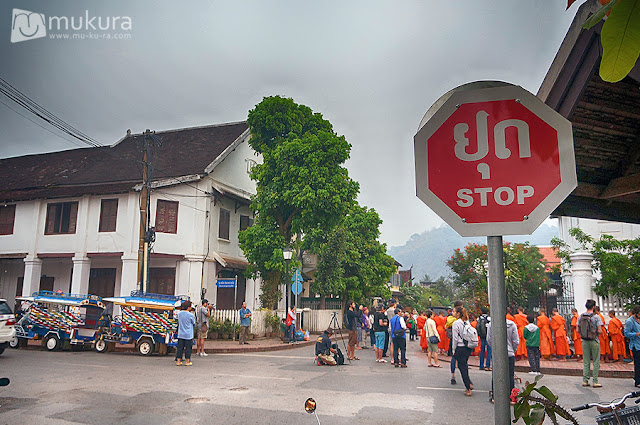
433,339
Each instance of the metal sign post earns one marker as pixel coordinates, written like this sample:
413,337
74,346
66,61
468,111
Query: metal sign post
235,305
498,302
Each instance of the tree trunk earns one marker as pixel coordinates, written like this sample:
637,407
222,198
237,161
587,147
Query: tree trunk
323,302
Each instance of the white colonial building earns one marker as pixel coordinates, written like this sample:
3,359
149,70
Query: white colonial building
70,220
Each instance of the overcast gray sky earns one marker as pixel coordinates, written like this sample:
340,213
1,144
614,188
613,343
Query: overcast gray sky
371,67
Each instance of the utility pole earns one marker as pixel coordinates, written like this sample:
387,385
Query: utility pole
146,234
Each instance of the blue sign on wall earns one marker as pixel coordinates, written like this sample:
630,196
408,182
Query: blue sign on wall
226,283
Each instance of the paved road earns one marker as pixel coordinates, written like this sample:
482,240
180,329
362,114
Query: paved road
258,388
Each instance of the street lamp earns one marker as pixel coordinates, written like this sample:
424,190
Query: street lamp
287,253
429,302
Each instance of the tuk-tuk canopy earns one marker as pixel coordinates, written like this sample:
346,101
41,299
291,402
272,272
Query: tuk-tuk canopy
149,300
63,298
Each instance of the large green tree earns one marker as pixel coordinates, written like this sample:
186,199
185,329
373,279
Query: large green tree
617,260
302,185
524,273
353,264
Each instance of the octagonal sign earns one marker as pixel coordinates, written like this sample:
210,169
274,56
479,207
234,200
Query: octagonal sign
492,159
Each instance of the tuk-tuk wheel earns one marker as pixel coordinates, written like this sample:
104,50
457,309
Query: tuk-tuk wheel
52,342
101,346
146,347
14,343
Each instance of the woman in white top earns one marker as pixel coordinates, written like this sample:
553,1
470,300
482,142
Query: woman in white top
461,351
431,331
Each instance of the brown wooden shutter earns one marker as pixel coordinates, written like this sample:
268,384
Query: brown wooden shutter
51,219
73,216
223,225
161,212
7,216
172,217
108,215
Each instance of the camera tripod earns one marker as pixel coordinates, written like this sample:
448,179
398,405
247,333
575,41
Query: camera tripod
333,324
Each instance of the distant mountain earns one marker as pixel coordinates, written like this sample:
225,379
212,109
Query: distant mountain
429,251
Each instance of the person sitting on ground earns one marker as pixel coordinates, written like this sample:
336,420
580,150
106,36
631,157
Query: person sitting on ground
324,351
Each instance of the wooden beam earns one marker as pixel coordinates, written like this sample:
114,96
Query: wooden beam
622,186
598,209
588,190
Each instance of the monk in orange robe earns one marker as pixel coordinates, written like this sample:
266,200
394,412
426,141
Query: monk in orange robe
575,335
441,320
509,315
420,321
559,326
521,321
617,339
546,343
605,350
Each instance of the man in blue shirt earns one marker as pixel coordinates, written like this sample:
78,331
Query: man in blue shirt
632,331
186,322
245,323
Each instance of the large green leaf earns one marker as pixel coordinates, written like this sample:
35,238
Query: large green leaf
599,15
546,392
620,40
537,415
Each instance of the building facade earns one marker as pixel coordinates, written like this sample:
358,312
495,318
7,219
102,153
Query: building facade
70,220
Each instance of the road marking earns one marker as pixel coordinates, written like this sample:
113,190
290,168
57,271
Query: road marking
84,365
252,376
266,355
449,389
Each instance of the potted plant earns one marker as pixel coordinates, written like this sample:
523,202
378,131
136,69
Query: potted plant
214,328
236,330
227,329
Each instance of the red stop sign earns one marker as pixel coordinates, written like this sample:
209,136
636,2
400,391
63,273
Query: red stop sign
493,161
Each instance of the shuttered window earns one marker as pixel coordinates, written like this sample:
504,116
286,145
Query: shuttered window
223,225
245,222
108,215
61,218
167,217
7,217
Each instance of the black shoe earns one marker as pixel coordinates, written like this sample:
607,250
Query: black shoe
397,365
481,368
453,381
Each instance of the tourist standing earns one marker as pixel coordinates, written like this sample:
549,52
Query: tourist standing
398,330
632,331
186,322
513,341
379,326
245,323
483,321
204,312
352,325
590,327
432,339
461,352
366,325
531,333
291,324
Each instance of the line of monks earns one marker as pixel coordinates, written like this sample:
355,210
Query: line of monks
554,343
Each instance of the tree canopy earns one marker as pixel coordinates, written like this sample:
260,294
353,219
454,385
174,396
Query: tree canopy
524,272
617,260
302,186
353,264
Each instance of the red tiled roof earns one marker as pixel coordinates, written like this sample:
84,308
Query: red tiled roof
549,255
113,169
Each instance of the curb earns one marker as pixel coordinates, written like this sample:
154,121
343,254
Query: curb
626,374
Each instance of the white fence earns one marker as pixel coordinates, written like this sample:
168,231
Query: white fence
311,320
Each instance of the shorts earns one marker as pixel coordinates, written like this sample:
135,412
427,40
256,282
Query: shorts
202,331
380,337
353,338
433,347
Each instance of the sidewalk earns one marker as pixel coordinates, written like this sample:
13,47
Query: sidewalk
569,368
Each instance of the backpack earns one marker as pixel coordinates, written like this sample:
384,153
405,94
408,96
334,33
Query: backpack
587,330
339,356
469,336
482,326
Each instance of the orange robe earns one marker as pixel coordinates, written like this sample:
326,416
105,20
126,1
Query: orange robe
546,343
420,321
521,321
559,327
575,336
476,351
444,340
604,338
510,317
617,340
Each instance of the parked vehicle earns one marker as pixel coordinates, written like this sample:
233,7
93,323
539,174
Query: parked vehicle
7,325
147,320
58,317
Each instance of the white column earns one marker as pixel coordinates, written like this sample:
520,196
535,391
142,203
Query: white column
128,276
32,273
582,274
81,272
189,278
